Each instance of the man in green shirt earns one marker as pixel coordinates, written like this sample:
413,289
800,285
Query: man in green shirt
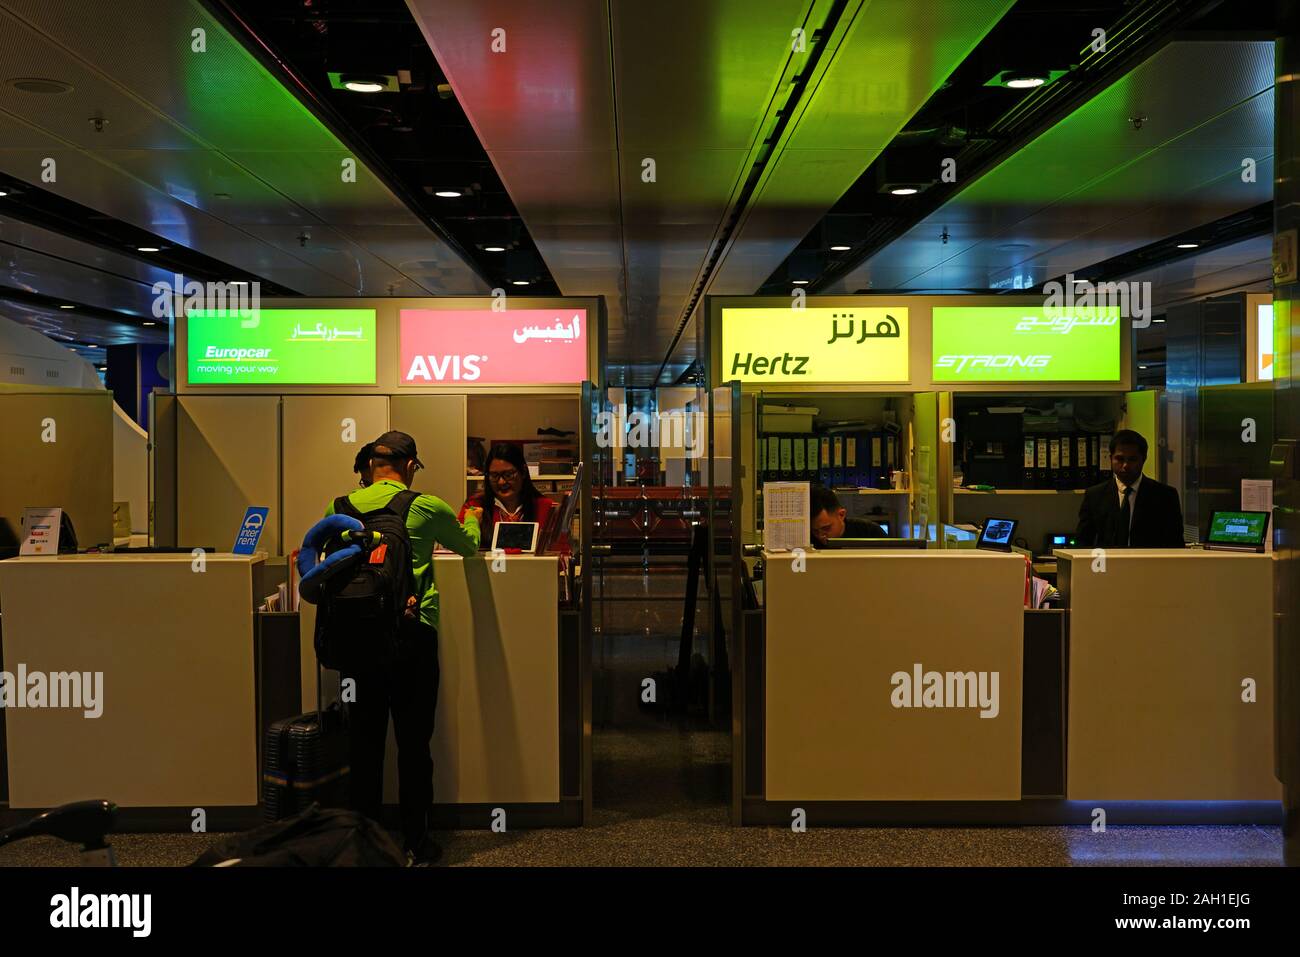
407,687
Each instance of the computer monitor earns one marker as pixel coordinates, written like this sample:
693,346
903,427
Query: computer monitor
875,543
1057,540
996,534
557,526
1237,531
520,535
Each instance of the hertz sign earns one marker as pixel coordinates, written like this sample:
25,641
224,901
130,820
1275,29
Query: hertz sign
844,344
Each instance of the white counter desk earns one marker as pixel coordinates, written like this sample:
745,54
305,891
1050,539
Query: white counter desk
1163,646
507,732
174,646
843,719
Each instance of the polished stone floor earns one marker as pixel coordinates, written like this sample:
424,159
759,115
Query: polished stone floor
660,796
660,801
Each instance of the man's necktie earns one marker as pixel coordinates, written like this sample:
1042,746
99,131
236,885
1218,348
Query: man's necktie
1125,514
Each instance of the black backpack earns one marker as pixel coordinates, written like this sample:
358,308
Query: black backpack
359,616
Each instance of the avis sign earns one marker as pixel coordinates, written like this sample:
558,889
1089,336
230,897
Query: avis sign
479,346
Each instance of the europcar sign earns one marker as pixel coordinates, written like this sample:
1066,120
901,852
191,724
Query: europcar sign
281,347
845,344
481,346
1025,344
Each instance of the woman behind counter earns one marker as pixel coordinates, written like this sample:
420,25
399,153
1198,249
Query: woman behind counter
508,493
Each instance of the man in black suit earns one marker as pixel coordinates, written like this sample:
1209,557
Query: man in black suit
1130,510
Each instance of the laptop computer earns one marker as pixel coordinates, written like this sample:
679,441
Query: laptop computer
1237,531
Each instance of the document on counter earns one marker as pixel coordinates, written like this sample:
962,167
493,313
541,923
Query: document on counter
786,522
1257,496
41,527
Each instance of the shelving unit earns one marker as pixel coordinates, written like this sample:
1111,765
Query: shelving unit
897,507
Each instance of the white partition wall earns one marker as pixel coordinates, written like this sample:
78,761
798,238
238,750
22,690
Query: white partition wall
228,458
321,437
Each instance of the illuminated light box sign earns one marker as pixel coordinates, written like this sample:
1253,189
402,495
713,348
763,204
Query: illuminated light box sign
524,346
1025,344
1264,349
281,347
842,344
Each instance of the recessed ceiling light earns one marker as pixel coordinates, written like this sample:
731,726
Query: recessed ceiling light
448,193
364,84
494,249
800,282
1081,280
3,193
840,249
148,249
904,191
1188,245
1023,81
520,282
1157,320
31,84
67,307
150,322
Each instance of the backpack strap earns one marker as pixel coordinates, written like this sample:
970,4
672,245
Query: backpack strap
400,504
343,506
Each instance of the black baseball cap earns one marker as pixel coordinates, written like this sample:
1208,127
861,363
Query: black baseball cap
362,460
401,445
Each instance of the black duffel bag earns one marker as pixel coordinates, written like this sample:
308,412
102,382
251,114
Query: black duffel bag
317,837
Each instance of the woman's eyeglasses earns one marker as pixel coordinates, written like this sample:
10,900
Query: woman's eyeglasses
501,478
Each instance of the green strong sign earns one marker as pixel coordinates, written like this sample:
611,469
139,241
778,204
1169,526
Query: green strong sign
281,347
1025,344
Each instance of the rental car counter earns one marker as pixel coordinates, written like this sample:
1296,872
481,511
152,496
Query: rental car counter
912,686
854,671
270,411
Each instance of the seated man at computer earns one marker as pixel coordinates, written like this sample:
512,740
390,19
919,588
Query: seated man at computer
829,519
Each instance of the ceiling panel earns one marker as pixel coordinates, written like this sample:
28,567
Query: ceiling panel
64,326
889,60
1095,186
61,278
205,149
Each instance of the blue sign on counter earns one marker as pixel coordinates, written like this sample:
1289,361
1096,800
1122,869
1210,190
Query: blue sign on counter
250,531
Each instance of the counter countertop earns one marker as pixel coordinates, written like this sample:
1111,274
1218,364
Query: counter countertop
124,557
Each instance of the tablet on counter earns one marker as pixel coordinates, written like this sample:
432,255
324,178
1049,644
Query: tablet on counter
514,535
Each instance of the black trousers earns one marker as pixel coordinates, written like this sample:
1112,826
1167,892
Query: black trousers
408,688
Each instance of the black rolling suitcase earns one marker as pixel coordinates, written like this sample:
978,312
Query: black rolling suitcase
306,762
